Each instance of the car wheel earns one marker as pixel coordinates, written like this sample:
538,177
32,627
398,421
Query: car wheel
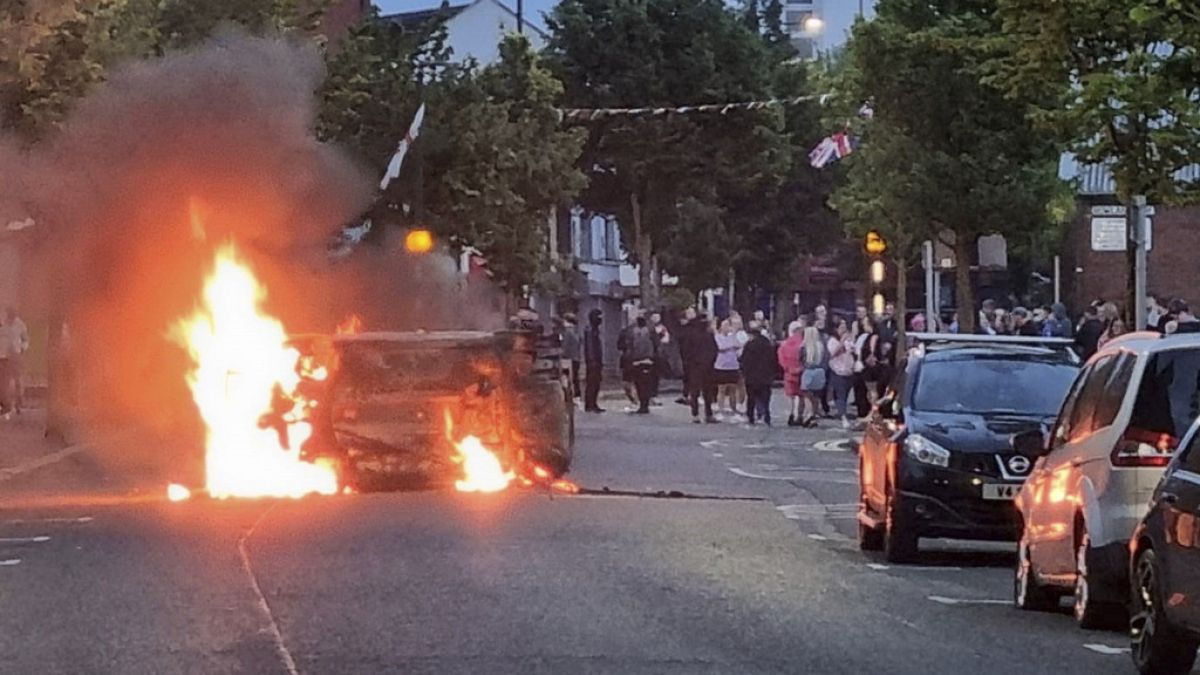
1090,613
899,538
1028,594
1157,647
869,538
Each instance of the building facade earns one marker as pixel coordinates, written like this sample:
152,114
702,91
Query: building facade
474,28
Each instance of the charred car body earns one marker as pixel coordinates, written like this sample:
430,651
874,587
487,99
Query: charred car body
394,403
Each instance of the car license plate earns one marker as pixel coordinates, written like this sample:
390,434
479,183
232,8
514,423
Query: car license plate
1001,491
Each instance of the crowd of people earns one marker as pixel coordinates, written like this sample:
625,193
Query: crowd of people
729,366
832,366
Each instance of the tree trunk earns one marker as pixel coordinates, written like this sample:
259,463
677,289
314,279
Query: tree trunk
644,250
965,295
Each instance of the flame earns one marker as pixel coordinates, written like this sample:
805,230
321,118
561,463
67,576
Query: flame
351,325
481,468
178,493
244,383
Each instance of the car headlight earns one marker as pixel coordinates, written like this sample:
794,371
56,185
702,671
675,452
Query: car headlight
926,451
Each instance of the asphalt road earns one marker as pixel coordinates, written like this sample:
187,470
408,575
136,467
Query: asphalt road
755,571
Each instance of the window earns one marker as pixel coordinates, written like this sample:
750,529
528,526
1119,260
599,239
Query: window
1167,395
1084,413
1109,400
1190,458
1062,427
1016,385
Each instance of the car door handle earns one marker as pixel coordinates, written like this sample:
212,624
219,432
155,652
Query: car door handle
1169,497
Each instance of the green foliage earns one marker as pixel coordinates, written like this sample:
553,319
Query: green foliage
182,23
1116,80
945,150
492,159
711,191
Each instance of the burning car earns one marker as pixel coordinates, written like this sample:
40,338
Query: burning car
413,407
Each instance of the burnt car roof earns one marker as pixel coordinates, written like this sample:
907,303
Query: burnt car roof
422,338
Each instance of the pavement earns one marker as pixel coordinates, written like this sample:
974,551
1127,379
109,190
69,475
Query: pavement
750,567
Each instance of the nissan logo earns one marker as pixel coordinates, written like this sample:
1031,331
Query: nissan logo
1018,464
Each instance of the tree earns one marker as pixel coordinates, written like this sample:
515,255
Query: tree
1117,81
649,171
492,159
945,150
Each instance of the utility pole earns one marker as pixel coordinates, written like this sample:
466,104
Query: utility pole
521,16
931,301
1137,236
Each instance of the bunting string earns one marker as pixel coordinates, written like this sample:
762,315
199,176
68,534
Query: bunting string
590,114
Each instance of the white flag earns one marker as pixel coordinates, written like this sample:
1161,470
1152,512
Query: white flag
393,169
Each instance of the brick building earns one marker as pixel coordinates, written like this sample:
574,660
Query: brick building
1094,257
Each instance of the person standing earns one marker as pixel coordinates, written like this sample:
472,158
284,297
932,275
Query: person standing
702,357
625,362
863,393
743,337
813,379
792,363
572,351
1155,314
728,371
758,371
642,361
1185,321
841,369
661,365
593,355
1058,324
1023,325
1090,330
689,333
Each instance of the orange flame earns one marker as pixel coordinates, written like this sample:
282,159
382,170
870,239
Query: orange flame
351,325
244,383
178,493
481,468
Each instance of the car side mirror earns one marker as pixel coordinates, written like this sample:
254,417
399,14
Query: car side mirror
1030,443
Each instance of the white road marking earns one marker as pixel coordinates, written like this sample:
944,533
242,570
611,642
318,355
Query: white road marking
718,454
968,601
24,540
747,474
880,567
818,537
272,626
713,444
26,521
45,460
11,562
1107,650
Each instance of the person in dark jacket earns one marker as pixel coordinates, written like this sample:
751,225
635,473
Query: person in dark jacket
1090,330
699,364
593,356
758,369
691,329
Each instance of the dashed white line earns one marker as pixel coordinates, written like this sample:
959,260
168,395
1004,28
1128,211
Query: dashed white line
24,540
968,601
11,562
28,521
1107,650
818,537
880,567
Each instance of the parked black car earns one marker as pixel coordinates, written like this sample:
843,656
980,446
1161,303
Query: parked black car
1164,573
937,458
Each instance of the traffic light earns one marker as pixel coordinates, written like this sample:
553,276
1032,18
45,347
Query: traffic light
875,245
418,241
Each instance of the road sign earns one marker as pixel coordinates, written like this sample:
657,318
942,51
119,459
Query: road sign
1109,233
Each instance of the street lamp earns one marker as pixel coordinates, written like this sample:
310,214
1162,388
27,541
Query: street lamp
813,25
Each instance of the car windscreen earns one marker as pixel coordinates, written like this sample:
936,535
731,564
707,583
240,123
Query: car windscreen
986,385
1167,399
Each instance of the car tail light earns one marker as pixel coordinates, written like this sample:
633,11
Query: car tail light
1144,448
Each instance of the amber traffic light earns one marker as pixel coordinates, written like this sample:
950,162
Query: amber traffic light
875,244
418,241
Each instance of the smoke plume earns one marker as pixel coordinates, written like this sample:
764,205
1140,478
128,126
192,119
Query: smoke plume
171,158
